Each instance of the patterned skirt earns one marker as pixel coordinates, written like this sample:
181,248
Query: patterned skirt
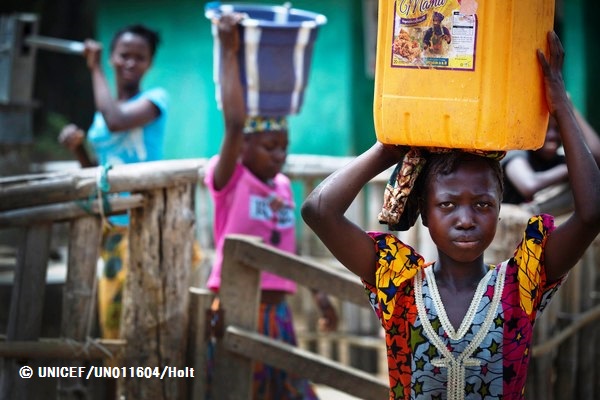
275,321
114,253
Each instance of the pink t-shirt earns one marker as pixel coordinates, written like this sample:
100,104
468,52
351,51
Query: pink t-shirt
244,206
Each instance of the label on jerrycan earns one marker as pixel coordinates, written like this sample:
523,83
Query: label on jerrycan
433,33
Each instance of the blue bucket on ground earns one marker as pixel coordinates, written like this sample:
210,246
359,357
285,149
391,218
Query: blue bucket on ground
275,56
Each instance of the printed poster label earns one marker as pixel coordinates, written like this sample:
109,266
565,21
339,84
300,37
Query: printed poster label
433,33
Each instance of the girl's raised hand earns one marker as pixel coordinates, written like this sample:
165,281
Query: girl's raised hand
556,94
92,52
71,136
228,32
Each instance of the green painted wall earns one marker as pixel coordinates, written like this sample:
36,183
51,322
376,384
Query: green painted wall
337,111
572,36
591,47
582,56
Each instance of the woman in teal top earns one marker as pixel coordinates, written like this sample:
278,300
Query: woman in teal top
127,128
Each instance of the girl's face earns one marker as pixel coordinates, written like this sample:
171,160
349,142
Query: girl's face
461,210
264,153
131,58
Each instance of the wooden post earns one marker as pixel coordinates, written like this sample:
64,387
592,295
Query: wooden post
200,302
240,303
25,317
588,335
155,298
540,378
566,368
596,296
79,294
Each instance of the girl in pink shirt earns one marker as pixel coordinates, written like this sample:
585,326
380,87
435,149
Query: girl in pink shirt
252,196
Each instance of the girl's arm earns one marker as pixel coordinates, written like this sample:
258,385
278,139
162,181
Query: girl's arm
232,98
119,116
569,241
528,181
324,209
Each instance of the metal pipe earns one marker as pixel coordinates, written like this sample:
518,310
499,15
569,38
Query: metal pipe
54,44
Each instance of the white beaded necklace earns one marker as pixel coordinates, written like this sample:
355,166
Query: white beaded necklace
457,365
469,317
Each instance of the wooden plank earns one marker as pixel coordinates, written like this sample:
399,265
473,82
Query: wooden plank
25,316
63,349
64,211
56,187
79,294
51,187
79,184
303,363
142,295
595,295
345,285
177,239
366,341
200,302
302,166
587,335
30,277
582,321
542,369
155,298
240,298
566,367
245,257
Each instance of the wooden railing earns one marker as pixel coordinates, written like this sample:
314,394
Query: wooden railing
169,207
244,260
155,304
162,227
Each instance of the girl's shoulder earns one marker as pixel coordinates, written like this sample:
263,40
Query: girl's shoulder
282,180
155,92
537,229
387,240
397,264
396,256
529,251
209,173
157,95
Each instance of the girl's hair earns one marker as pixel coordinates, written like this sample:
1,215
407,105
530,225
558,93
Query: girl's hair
446,163
148,34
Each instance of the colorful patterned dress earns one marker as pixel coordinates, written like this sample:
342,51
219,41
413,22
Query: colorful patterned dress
488,355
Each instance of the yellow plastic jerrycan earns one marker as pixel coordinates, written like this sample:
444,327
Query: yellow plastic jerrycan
461,74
